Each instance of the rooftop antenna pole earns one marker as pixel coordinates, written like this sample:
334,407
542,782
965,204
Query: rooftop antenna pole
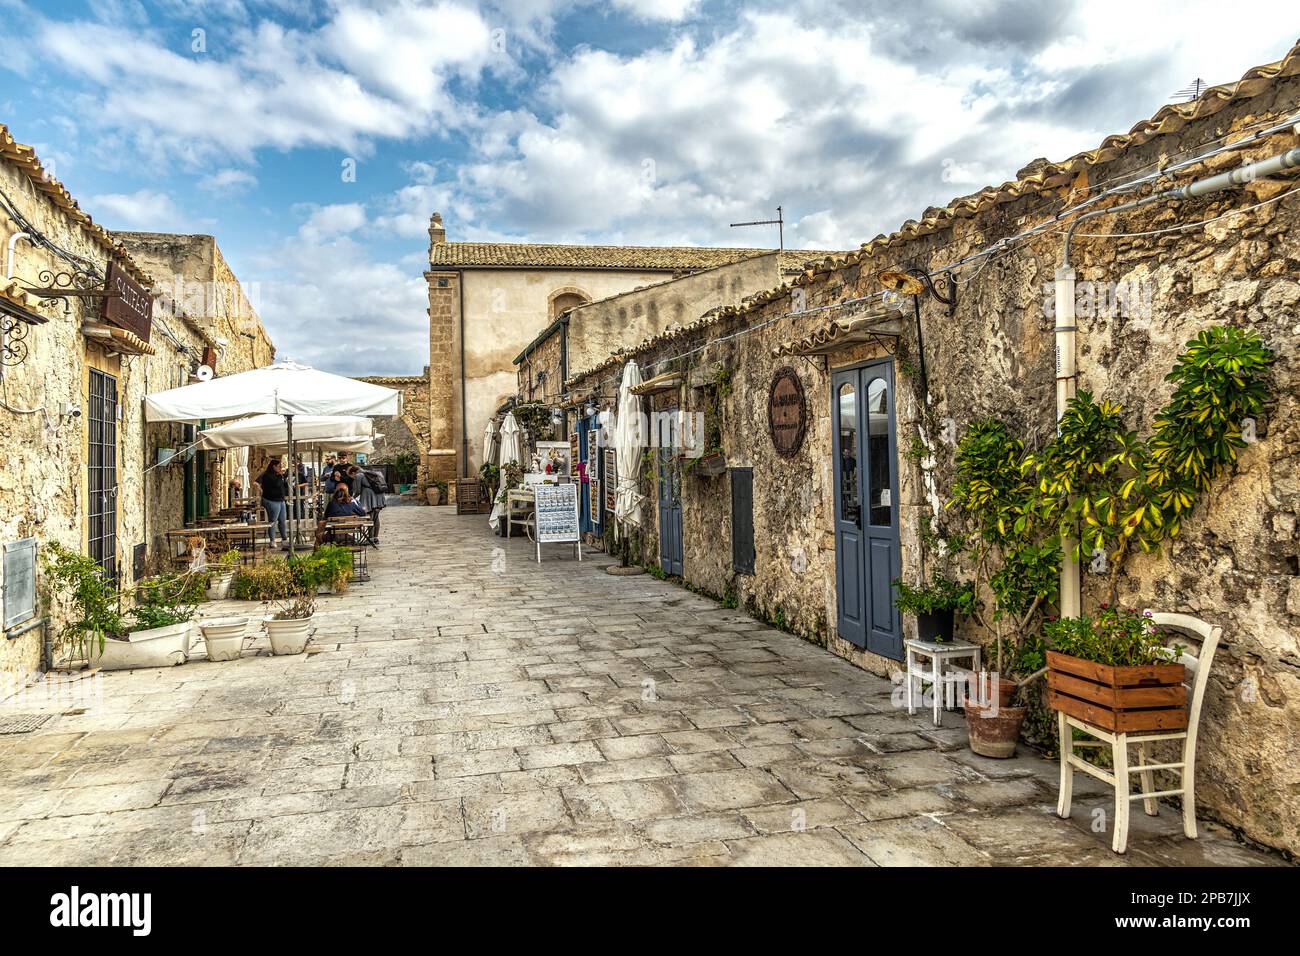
779,222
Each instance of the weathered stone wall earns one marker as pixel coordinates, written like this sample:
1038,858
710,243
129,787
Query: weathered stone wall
410,430
541,373
196,289
604,327
1235,563
43,486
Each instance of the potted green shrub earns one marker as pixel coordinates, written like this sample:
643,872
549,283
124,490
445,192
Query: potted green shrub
935,605
96,609
161,626
332,564
220,575
290,594
1115,670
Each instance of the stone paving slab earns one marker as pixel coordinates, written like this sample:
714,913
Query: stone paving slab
468,706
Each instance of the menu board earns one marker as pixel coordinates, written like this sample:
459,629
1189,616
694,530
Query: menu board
557,513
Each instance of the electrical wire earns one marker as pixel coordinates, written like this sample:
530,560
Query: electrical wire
1043,229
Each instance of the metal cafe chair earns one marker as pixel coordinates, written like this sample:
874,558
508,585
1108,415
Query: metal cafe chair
1198,668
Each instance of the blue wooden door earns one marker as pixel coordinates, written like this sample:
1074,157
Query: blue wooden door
670,493
867,556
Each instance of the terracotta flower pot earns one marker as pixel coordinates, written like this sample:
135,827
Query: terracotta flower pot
994,731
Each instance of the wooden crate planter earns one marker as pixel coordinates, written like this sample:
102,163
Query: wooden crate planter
1118,699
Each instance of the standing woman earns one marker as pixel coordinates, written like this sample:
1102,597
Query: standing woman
275,488
367,497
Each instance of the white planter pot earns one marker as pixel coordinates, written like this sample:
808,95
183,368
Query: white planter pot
219,588
224,637
288,637
156,647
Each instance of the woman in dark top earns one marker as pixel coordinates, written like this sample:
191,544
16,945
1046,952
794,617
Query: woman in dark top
342,505
275,488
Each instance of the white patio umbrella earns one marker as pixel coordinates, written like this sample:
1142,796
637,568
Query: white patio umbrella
286,389
273,430
512,449
628,440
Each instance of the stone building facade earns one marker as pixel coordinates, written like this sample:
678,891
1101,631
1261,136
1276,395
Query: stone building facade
192,280
408,432
488,300
1236,561
590,333
77,450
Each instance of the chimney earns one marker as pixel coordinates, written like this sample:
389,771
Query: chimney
437,234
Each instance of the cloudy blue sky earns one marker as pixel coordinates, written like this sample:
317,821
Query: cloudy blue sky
629,121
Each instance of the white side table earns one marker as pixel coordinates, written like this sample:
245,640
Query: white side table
939,653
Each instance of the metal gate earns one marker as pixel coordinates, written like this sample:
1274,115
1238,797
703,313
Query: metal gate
101,465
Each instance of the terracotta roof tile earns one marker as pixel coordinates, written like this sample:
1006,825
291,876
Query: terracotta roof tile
640,258
26,159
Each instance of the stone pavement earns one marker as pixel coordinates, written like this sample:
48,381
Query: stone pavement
468,706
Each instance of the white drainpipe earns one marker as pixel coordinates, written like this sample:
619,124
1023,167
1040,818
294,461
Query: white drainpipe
1066,374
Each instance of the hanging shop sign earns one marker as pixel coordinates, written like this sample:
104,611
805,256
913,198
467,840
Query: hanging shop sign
787,412
129,306
611,478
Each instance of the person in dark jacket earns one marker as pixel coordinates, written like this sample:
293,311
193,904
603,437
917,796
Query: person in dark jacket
342,505
275,489
365,494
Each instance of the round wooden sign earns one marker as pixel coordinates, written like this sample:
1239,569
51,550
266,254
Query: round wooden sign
787,412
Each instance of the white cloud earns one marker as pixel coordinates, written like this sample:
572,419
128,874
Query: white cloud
144,209
228,181
366,74
669,10
329,304
337,219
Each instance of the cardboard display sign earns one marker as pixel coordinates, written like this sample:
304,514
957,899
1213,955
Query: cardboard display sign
557,516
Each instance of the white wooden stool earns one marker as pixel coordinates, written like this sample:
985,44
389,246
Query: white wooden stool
944,682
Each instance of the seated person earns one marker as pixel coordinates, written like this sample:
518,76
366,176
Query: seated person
341,505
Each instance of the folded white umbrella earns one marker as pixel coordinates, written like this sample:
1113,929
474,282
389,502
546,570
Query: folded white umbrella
284,389
273,430
512,449
489,441
628,440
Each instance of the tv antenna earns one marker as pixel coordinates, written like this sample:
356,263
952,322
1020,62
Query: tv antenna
779,222
1192,91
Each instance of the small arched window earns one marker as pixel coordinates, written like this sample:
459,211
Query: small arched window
562,300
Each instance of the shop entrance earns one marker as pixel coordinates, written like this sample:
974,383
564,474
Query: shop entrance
866,507
670,491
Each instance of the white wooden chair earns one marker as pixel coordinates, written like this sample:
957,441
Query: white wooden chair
1198,668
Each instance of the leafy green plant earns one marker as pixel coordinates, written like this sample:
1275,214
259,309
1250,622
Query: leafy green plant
1016,556
941,594
268,581
335,562
80,580
405,467
167,599
490,474
1117,636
